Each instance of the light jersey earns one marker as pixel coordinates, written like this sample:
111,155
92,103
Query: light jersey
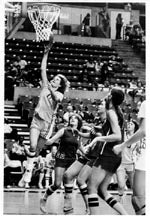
50,160
47,107
140,164
129,154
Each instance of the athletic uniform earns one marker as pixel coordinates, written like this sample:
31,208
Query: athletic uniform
140,163
128,158
93,153
66,153
45,112
108,160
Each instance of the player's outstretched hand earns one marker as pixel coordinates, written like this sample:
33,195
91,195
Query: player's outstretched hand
48,44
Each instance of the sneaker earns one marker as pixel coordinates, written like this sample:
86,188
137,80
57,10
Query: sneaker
27,185
21,183
75,187
40,186
28,175
68,210
43,205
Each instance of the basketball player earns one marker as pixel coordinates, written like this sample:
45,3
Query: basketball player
66,154
44,116
82,167
127,166
107,163
138,197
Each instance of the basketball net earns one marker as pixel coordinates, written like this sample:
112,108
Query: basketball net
43,16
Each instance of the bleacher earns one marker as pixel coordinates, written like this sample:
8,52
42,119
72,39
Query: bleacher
67,59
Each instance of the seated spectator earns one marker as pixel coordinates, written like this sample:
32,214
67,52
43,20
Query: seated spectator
98,65
136,33
87,67
7,128
18,151
9,166
67,114
49,166
9,132
104,73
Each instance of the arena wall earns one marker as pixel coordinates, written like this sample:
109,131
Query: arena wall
68,39
71,93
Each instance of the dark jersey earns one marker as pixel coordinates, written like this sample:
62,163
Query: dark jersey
68,145
108,146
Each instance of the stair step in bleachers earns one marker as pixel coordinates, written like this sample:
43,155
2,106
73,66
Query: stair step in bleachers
10,110
18,125
23,133
13,117
9,106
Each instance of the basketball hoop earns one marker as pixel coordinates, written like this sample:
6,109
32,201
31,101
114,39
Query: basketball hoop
43,16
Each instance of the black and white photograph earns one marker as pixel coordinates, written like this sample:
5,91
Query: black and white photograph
74,112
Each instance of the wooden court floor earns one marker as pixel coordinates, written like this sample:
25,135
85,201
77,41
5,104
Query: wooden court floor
26,202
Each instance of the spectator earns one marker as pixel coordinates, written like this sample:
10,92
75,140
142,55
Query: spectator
128,30
49,166
119,24
10,165
104,73
88,66
18,152
127,166
67,114
98,65
86,25
105,19
7,128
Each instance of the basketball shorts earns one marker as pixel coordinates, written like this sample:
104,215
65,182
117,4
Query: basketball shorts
108,163
126,167
45,128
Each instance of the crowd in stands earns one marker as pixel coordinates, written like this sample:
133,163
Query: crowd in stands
101,73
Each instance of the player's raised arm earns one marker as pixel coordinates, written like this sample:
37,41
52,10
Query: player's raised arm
44,61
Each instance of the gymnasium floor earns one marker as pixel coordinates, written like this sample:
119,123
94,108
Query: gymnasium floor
26,202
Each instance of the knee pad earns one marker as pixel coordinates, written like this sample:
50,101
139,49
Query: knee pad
138,203
83,189
68,188
111,201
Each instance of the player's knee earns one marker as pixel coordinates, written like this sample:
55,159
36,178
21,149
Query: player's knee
67,177
30,152
80,181
138,203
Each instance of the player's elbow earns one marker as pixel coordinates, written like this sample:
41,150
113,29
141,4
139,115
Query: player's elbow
118,137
